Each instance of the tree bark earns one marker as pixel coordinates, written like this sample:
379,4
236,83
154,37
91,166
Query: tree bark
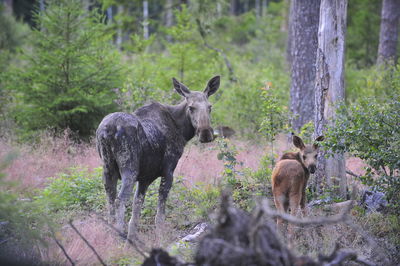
329,85
389,32
304,43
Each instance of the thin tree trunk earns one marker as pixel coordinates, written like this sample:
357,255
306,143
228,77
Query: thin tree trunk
146,19
304,44
264,8
8,7
389,32
289,46
329,85
118,40
257,8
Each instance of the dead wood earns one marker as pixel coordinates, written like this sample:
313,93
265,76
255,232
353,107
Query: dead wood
240,238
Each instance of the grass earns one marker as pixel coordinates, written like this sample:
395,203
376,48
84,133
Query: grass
75,191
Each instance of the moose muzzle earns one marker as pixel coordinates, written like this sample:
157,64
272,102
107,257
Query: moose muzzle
205,134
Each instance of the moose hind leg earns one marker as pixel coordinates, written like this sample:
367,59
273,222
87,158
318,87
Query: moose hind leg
165,186
128,180
110,179
136,209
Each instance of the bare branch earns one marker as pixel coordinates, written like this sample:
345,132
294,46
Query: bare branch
308,221
87,243
62,248
144,254
352,174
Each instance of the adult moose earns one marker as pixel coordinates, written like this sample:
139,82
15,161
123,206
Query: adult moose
147,144
290,176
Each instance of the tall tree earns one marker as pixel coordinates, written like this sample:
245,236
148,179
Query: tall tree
329,85
70,73
304,30
389,32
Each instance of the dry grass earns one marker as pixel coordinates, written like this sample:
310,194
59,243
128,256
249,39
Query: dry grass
53,155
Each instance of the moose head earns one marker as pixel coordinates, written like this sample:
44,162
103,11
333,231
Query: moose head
308,153
198,108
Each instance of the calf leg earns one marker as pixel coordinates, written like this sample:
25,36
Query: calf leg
281,206
128,179
294,202
136,209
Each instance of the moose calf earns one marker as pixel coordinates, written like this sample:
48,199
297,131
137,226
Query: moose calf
290,176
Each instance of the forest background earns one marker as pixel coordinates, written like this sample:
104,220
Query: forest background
65,64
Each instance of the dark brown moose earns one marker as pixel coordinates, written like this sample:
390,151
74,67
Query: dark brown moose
290,176
147,144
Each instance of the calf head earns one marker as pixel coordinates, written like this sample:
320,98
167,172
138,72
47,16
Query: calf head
308,153
198,108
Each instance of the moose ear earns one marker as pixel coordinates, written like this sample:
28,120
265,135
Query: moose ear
212,86
298,142
180,88
320,138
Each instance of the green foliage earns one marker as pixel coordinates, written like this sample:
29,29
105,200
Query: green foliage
70,73
227,154
369,130
244,183
362,36
78,189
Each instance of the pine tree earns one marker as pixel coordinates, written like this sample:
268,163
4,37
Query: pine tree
70,72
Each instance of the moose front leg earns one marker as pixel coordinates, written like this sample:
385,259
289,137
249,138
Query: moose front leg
165,186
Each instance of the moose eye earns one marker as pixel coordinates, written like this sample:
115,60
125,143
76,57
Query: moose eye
315,156
191,109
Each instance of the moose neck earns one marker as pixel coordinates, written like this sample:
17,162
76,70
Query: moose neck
182,120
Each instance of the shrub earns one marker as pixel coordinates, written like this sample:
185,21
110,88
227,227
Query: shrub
369,130
78,189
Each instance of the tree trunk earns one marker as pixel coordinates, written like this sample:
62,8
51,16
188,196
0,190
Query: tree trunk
264,7
289,43
8,6
146,19
329,85
257,8
304,43
118,40
387,51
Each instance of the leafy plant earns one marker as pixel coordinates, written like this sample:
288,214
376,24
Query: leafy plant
370,130
275,117
78,189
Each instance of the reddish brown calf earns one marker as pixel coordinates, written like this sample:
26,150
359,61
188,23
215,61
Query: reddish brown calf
290,176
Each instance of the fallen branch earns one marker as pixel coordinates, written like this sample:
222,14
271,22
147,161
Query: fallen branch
87,243
228,64
307,221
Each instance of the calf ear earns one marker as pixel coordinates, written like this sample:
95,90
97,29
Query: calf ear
298,142
180,88
212,86
320,138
